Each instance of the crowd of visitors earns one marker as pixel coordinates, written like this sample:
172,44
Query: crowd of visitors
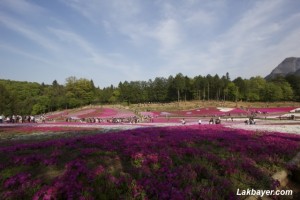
250,121
132,120
17,119
214,121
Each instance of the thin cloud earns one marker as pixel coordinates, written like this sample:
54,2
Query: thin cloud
168,34
73,38
28,32
25,53
248,36
98,61
87,9
199,18
22,7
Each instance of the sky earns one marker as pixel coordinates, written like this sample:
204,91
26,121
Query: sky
110,41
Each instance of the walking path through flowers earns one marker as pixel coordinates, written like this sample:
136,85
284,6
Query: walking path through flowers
270,126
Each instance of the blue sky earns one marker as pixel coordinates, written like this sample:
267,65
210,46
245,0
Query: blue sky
116,40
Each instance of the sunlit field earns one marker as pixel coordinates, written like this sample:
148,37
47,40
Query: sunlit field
179,162
106,153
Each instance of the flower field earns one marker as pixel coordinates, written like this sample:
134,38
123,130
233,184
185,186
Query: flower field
211,111
273,110
105,113
27,130
96,112
182,162
218,111
118,113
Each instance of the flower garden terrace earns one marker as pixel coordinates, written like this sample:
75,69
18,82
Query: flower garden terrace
99,114
175,162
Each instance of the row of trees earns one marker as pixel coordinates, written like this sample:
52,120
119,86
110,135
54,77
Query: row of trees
33,98
181,88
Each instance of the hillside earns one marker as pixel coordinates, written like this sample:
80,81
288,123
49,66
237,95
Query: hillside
288,66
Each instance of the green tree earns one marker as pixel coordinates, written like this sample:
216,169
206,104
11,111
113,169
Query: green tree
294,82
256,86
233,91
287,91
243,88
114,97
5,99
172,90
106,94
79,91
180,85
123,88
38,109
160,90
273,92
198,87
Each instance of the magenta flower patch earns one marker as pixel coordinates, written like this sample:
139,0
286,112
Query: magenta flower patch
182,162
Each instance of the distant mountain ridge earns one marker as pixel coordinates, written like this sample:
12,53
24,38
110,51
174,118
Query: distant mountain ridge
288,66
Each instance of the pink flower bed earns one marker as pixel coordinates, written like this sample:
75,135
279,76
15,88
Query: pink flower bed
93,112
115,113
151,114
197,112
186,162
81,113
166,120
238,111
272,110
200,112
73,113
32,128
107,112
57,114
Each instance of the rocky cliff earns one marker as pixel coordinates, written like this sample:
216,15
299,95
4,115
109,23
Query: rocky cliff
286,67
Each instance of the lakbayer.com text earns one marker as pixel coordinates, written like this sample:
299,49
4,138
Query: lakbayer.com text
262,193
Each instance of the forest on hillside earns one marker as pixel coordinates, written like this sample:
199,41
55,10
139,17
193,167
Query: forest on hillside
23,98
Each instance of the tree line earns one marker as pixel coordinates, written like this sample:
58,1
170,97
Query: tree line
17,97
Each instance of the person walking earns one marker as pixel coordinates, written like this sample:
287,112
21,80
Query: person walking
1,118
183,121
